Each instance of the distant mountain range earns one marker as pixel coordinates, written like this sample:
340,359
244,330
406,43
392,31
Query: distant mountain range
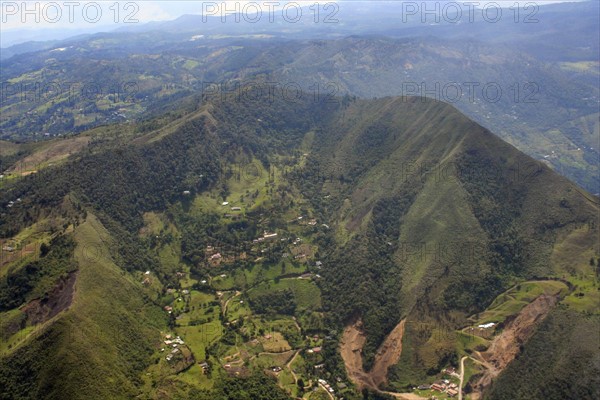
535,85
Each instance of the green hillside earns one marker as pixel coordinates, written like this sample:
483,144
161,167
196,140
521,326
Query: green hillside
569,370
97,346
239,236
438,214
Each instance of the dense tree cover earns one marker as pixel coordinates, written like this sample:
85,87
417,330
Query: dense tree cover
255,387
363,274
125,181
371,395
361,279
472,293
107,333
118,184
364,281
38,276
7,161
206,228
129,251
275,302
497,204
17,377
122,182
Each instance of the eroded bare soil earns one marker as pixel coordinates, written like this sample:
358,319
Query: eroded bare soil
41,310
351,347
387,355
505,347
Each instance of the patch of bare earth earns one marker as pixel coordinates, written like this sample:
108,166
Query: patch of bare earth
388,354
59,299
505,347
54,152
353,340
404,396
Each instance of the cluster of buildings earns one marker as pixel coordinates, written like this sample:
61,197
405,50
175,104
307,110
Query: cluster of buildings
326,385
214,257
443,386
174,343
233,208
301,221
169,357
451,371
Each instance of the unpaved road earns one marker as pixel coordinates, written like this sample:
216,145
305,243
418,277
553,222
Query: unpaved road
327,391
289,366
462,376
237,293
296,323
503,350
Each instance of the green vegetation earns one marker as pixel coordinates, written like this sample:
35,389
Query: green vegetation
299,292
255,387
558,362
37,278
62,92
103,340
276,302
513,300
245,232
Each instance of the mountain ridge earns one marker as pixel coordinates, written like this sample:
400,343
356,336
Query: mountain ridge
428,216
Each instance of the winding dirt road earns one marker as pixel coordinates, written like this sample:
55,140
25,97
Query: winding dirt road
289,366
462,377
237,293
326,391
